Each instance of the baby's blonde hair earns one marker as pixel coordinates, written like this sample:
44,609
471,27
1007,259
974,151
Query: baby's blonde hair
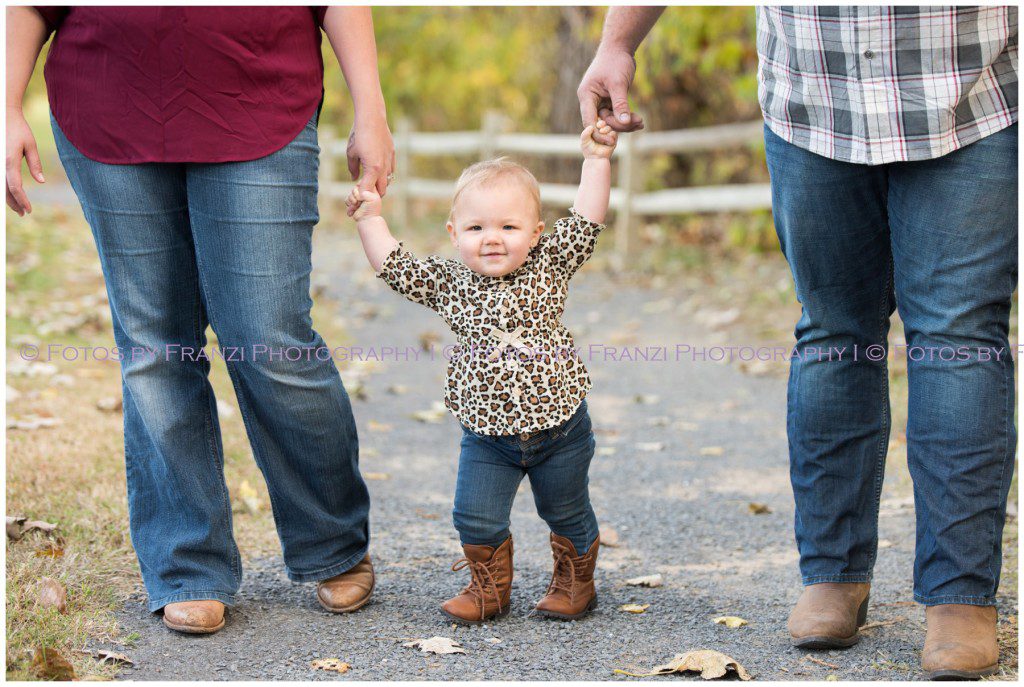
490,171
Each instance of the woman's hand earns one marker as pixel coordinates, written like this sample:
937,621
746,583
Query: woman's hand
592,147
371,155
20,144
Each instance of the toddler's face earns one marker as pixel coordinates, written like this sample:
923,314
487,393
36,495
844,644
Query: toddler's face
495,226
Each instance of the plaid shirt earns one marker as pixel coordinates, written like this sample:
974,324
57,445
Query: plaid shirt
873,84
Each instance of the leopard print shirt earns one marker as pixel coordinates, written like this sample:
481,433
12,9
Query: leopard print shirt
515,369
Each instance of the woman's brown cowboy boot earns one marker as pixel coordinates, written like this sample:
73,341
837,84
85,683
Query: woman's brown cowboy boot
489,590
571,593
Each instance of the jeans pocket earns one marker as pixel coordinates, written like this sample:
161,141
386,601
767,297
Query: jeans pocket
574,422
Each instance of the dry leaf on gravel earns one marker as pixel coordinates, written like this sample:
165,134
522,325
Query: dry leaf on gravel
881,623
332,664
646,399
435,414
730,621
377,476
655,580
436,645
609,537
110,404
712,451
634,608
758,508
709,663
49,664
813,659
429,339
492,640
53,595
650,446
107,656
606,450
375,426
397,389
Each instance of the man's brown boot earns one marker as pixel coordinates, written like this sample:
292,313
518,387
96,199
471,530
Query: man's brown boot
349,591
828,614
489,590
201,617
571,593
961,642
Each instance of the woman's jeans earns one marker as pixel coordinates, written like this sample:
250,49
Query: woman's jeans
936,239
229,245
556,460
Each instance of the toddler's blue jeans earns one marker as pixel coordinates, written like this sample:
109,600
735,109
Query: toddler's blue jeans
556,460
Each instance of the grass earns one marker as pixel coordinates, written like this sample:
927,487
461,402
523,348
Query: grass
73,474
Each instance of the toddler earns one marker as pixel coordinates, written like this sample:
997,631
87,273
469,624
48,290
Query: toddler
515,384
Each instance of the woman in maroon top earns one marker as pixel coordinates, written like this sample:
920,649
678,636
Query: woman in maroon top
189,136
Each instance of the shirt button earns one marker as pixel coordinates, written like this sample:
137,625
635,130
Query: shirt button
869,54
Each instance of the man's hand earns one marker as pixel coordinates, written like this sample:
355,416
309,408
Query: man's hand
362,204
592,148
20,144
371,156
604,92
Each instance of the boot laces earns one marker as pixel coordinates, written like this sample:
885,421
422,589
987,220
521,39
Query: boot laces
481,582
567,568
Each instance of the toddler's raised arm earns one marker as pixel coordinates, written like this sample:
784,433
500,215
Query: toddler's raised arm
364,207
596,177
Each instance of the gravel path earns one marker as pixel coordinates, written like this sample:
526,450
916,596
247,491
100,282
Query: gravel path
678,510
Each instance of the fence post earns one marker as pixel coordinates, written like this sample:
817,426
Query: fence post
326,176
403,175
493,124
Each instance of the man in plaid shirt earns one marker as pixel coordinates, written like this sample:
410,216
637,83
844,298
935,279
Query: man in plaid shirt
891,142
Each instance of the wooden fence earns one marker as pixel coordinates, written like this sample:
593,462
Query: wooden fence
627,198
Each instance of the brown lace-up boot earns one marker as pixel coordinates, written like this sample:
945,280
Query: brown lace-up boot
489,590
828,615
961,642
571,593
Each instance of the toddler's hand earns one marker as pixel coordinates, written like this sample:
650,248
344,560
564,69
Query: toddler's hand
591,147
363,204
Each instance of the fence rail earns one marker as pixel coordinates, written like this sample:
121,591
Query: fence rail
626,198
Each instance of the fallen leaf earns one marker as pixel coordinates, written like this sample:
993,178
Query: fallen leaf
434,415
14,524
250,499
12,394
634,608
397,389
48,664
492,640
375,426
426,515
110,404
31,422
712,451
436,645
107,656
332,664
50,550
646,581
651,446
646,399
428,339
884,543
18,526
225,409
606,450
758,508
710,664
730,621
53,595
376,475
609,537
832,678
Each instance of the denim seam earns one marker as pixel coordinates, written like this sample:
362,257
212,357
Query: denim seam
883,442
191,595
845,577
955,599
994,573
330,570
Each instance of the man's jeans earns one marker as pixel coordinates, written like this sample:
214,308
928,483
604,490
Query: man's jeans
557,461
229,245
936,239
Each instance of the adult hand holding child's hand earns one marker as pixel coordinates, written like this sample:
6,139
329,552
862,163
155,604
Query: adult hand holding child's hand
592,147
362,204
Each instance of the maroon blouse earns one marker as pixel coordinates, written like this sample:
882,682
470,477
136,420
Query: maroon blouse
183,84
